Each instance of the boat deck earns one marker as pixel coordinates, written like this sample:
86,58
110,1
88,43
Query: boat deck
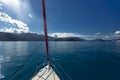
46,74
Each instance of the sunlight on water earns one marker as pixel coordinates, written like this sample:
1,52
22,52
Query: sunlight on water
2,60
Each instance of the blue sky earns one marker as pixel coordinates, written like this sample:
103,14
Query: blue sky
82,18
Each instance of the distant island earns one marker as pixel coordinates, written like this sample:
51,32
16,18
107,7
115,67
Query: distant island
35,37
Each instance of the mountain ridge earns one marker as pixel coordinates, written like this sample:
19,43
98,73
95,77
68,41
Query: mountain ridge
33,37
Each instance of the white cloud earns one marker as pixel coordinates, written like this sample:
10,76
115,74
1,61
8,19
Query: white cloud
30,15
107,37
20,8
117,32
22,27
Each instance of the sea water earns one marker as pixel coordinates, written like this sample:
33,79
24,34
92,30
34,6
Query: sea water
85,60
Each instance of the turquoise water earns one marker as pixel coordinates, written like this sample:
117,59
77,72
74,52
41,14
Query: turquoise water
81,60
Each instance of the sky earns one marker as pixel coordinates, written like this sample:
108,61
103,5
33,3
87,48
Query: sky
88,19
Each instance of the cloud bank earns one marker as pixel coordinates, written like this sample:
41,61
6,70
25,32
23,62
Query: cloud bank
68,34
61,35
21,27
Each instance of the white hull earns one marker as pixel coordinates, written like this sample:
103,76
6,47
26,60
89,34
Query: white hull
47,73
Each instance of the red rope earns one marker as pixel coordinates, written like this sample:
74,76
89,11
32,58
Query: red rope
45,26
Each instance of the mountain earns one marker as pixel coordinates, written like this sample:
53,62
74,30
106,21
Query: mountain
32,37
21,37
116,39
69,39
98,40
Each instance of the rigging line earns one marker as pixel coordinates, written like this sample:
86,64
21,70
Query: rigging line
14,73
57,70
62,69
43,64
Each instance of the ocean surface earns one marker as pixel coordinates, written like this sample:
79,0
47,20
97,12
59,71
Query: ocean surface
80,60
